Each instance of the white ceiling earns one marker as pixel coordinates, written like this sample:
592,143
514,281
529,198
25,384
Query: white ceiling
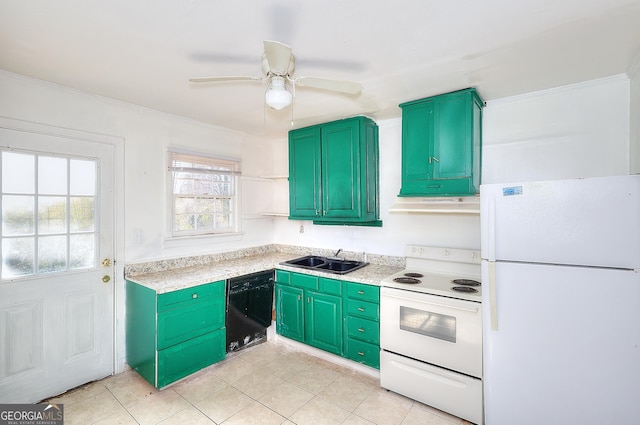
143,52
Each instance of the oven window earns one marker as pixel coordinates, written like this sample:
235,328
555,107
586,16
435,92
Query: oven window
428,323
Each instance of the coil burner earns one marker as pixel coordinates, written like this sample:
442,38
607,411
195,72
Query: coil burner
406,280
466,289
466,282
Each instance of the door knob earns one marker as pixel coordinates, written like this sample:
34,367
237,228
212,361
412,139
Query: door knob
106,262
106,278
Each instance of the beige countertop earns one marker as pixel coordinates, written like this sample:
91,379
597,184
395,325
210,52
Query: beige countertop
185,277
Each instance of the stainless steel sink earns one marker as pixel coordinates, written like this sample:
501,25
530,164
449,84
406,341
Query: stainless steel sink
325,264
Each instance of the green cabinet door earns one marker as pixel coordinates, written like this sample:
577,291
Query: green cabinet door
341,188
323,322
441,145
183,359
333,173
290,312
305,200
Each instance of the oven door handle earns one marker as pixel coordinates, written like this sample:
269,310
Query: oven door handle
469,309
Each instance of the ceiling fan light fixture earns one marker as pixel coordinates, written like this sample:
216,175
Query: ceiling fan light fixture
277,95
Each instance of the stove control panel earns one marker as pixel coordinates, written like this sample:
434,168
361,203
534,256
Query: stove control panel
456,255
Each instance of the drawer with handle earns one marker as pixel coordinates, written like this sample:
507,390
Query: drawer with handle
363,352
363,309
191,296
363,329
358,291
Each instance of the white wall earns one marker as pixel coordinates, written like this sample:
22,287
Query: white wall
147,134
581,130
574,131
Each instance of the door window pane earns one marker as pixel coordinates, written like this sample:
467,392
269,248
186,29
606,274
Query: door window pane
18,173
52,214
52,175
52,254
82,214
82,251
18,257
18,215
83,177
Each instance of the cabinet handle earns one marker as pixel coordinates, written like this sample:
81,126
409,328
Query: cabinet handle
299,298
194,296
361,353
433,159
360,292
360,330
360,309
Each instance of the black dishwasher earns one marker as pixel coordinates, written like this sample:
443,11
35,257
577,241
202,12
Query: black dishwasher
249,307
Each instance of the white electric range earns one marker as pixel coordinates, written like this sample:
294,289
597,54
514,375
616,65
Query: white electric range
431,330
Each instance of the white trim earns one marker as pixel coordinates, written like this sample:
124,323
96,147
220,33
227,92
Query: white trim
171,150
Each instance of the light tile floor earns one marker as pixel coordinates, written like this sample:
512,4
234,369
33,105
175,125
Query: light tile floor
265,384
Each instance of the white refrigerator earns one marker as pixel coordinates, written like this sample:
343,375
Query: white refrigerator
561,296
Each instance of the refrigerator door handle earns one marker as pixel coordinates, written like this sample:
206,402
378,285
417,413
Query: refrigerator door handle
493,306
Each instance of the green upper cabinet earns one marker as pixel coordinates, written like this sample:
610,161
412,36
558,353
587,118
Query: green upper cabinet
333,172
441,145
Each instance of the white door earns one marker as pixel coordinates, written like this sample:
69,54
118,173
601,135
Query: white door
56,289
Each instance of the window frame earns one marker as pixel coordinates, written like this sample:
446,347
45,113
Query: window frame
206,163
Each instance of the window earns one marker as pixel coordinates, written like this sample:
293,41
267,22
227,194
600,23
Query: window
48,213
204,194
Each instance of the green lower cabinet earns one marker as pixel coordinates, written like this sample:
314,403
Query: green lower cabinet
323,322
336,316
171,335
309,310
362,324
290,312
183,359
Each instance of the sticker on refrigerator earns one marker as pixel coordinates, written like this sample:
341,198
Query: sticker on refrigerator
512,190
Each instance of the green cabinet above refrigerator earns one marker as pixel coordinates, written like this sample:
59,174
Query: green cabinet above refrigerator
333,173
441,145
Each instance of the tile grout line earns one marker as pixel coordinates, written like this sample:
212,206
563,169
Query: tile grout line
120,403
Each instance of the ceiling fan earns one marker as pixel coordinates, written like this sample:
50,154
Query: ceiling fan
278,64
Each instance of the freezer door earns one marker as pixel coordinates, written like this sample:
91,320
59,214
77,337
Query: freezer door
594,221
566,348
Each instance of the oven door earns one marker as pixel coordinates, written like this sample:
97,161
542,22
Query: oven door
443,331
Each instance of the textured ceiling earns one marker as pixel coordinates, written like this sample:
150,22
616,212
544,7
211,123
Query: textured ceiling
143,52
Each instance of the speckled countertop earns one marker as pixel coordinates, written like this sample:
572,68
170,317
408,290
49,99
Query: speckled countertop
169,279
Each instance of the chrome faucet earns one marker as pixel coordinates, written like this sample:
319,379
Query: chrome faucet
335,255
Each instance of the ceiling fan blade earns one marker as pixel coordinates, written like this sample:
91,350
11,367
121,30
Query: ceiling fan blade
348,87
278,55
217,79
